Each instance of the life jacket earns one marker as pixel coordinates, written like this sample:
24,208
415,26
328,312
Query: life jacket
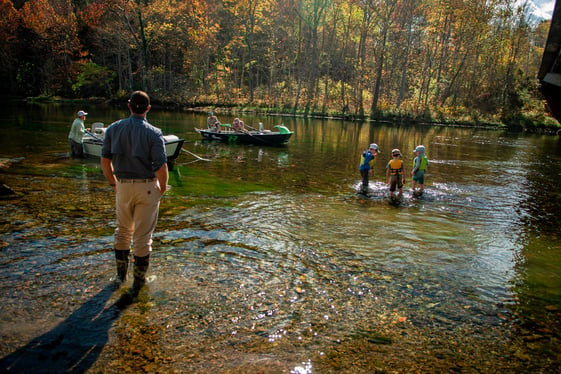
422,163
396,167
366,160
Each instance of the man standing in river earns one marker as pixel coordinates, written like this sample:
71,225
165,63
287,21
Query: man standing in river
133,160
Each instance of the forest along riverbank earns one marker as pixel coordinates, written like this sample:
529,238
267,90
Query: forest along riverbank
358,71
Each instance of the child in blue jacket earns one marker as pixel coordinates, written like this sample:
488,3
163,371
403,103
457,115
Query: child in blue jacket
366,164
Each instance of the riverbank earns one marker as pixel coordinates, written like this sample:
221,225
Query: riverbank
528,122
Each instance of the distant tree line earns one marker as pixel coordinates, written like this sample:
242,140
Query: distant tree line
426,58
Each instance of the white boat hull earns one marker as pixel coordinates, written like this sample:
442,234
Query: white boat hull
92,143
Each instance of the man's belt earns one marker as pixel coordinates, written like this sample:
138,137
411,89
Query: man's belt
145,180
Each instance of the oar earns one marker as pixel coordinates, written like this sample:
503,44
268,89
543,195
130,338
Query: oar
256,137
194,155
251,127
246,132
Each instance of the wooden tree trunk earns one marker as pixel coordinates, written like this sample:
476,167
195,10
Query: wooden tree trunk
379,71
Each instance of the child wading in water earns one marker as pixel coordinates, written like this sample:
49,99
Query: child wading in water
366,164
420,165
395,172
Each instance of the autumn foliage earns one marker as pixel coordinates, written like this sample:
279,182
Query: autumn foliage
420,58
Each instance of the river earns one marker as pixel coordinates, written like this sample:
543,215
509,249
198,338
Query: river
266,259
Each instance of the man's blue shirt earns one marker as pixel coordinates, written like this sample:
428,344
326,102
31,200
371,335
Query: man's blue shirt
135,147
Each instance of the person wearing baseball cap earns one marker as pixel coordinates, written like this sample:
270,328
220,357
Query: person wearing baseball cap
213,122
395,172
76,134
134,161
420,165
366,164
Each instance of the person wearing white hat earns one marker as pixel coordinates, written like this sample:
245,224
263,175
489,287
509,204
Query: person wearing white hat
76,134
366,164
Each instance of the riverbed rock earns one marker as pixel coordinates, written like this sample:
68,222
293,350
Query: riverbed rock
6,190
6,162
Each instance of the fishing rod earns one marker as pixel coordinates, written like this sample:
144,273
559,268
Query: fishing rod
94,135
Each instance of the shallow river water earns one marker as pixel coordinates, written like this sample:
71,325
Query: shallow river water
266,259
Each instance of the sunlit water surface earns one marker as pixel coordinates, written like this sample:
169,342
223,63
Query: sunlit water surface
304,276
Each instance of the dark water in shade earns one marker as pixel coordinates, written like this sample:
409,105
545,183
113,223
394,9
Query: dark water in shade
298,275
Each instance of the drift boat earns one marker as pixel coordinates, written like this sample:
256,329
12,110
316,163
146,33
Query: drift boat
93,141
257,137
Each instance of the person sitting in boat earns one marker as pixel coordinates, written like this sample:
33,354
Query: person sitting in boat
238,125
213,122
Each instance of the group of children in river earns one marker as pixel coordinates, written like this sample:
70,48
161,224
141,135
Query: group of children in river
395,169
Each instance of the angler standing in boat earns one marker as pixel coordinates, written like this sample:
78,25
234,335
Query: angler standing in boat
76,134
133,159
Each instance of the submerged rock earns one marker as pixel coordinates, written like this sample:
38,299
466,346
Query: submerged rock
6,190
7,193
6,162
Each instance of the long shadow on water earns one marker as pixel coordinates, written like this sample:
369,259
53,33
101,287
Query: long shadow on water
71,347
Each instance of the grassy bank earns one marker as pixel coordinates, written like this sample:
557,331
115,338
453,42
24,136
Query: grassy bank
533,119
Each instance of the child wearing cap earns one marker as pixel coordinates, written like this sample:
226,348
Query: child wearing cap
212,122
395,172
366,164
420,165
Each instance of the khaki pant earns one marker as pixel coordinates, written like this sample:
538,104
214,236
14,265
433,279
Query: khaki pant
137,203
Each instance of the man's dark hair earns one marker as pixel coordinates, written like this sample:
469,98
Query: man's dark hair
139,102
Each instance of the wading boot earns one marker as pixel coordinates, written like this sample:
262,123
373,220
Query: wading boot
122,260
140,269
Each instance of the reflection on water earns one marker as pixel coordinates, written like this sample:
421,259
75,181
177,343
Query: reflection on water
309,276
